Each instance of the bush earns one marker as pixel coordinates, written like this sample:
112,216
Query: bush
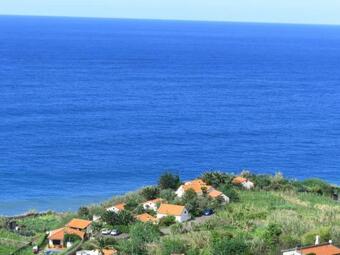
216,179
169,181
71,238
324,233
230,192
173,245
167,221
121,218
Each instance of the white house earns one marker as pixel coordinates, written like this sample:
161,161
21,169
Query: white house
116,208
196,185
180,213
199,186
247,184
152,204
216,194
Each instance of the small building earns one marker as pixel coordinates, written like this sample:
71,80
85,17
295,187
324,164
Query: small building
78,227
216,194
196,185
247,184
180,213
116,208
319,249
81,225
145,217
200,187
152,204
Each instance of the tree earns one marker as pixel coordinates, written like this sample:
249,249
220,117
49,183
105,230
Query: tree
84,212
167,194
121,218
190,199
230,192
140,234
150,192
169,181
216,178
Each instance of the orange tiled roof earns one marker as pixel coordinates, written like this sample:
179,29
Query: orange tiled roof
239,180
172,210
59,234
109,251
79,223
323,249
215,193
72,231
195,185
145,217
120,206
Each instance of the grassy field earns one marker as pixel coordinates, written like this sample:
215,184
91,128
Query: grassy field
299,216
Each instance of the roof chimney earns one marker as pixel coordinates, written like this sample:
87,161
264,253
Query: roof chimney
317,240
330,241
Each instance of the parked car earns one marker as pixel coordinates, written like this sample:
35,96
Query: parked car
106,232
115,232
208,212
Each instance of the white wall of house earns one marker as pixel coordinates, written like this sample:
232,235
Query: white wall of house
113,209
150,206
185,216
226,199
180,191
294,252
86,252
248,185
50,243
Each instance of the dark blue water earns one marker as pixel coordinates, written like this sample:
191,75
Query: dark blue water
90,108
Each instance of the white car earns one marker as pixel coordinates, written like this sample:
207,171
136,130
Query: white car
106,232
115,232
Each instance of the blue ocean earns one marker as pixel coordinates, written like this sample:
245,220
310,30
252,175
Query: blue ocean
90,108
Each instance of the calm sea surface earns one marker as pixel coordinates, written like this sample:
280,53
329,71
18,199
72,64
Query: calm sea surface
90,108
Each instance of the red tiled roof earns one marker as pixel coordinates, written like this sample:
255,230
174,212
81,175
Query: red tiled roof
79,223
323,249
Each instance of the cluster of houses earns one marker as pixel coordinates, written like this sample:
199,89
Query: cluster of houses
57,239
180,213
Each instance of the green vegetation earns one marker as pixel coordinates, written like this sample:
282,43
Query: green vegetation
277,214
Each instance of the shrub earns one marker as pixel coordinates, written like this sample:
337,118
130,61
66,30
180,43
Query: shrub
173,245
167,221
121,218
71,238
216,178
169,181
230,192
324,233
